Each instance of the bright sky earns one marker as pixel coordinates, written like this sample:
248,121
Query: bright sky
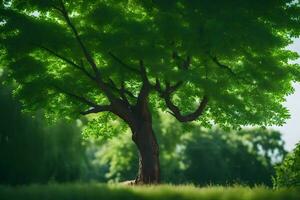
291,130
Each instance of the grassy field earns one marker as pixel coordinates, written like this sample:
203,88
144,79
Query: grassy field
164,192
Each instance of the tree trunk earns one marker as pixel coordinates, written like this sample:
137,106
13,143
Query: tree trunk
145,140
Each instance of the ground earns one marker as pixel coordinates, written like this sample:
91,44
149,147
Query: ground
164,192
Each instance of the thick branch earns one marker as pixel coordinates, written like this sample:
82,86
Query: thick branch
126,92
146,87
189,117
185,64
122,93
175,111
169,88
143,72
172,88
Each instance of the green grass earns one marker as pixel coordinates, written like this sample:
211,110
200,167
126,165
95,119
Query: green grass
164,192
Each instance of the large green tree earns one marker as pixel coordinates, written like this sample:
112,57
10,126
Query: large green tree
222,60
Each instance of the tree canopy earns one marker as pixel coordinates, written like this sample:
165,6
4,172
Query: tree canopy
230,53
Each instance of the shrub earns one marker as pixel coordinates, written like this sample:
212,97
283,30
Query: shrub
288,173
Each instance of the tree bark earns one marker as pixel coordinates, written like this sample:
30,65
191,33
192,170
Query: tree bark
149,169
144,138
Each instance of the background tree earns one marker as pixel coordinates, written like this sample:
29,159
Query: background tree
129,58
288,172
33,152
246,157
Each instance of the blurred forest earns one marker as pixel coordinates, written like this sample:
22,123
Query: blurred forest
32,151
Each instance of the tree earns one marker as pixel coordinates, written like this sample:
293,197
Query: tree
224,61
288,172
26,144
246,156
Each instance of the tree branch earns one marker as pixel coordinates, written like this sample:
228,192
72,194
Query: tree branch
175,111
77,97
169,88
123,63
172,88
81,68
97,109
166,94
143,72
146,87
184,66
185,63
86,53
103,86
216,61
57,8
229,70
189,117
122,91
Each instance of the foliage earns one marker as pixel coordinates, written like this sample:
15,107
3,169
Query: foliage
103,126
33,152
220,157
236,52
163,192
121,158
191,154
288,172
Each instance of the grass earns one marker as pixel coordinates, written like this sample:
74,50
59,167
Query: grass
163,192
